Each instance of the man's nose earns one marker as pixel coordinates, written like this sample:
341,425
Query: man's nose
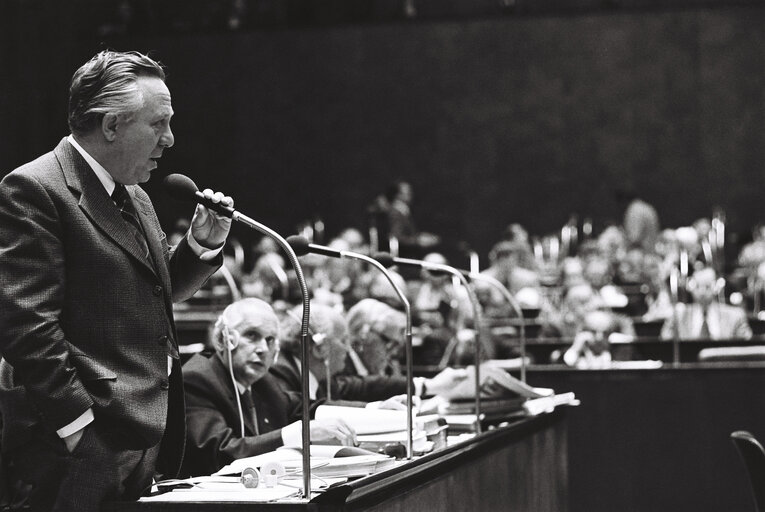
167,139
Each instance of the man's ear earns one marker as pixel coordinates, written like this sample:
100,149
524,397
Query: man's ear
109,125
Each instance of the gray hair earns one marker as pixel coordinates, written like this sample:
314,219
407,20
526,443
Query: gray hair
107,84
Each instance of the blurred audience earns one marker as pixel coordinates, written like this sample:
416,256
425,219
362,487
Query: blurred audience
707,317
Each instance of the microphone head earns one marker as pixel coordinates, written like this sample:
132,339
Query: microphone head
385,259
299,244
180,187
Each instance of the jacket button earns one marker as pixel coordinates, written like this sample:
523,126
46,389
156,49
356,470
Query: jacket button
165,384
163,340
157,290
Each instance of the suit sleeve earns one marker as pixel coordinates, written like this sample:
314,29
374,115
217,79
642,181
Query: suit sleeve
368,388
33,278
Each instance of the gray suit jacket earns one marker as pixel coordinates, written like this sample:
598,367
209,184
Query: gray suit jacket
85,319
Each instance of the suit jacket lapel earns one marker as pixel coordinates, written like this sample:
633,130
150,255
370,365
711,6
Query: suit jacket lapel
224,377
156,247
95,202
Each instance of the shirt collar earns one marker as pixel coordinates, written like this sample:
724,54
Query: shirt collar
102,174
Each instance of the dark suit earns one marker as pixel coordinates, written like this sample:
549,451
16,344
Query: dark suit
348,390
85,318
212,417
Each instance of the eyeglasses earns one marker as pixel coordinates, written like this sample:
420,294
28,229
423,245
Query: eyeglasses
390,343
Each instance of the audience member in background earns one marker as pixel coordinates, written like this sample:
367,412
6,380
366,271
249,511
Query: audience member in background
658,297
578,301
326,355
401,225
517,234
641,222
706,317
612,244
592,344
376,332
439,311
599,273
329,326
338,280
269,278
230,385
380,288
505,266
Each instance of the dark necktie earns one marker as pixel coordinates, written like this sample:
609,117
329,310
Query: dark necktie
248,406
704,332
122,199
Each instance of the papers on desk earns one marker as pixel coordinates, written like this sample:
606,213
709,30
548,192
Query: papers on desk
326,461
537,406
495,382
220,488
365,421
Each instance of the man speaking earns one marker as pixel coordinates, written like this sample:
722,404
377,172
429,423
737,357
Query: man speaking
91,392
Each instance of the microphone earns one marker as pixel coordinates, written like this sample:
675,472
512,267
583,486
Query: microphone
183,188
435,268
302,246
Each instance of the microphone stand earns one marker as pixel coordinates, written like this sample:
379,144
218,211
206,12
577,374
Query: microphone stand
516,307
303,245
306,430
674,292
476,318
408,344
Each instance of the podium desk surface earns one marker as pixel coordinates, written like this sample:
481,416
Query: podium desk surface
517,466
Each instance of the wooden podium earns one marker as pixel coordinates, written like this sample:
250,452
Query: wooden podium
520,466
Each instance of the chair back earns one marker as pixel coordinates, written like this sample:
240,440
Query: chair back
753,455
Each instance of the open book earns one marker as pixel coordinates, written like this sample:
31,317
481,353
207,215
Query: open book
495,383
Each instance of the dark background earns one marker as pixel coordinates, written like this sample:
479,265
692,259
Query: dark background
495,112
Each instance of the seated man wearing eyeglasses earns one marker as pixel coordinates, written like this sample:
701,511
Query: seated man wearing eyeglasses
234,406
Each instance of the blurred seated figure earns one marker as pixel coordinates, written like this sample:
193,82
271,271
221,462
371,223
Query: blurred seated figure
234,407
578,301
269,278
599,273
612,244
376,332
440,310
750,260
395,222
641,221
706,317
329,354
592,344
658,295
378,287
326,355
340,280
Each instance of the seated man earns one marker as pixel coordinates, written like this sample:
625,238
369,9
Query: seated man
234,407
706,317
376,355
329,349
592,344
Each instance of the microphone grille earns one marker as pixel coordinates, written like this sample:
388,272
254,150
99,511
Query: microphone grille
180,187
385,259
299,244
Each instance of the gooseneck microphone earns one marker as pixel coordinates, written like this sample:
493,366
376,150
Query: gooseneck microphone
183,188
302,246
387,260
